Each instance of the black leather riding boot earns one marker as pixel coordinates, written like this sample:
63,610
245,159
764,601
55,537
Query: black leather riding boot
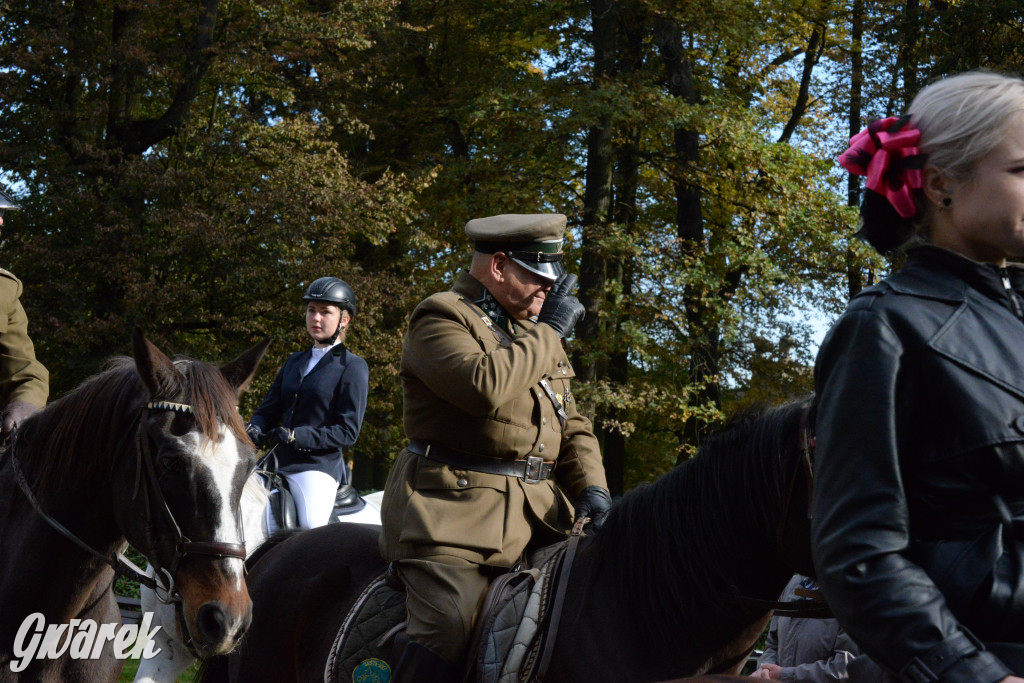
419,664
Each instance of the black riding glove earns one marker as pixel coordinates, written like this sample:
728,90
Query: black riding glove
281,435
256,434
15,413
561,309
594,502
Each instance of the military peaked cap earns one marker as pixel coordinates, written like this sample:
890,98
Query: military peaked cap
534,241
6,202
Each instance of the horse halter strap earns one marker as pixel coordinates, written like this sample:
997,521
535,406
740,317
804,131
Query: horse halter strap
183,546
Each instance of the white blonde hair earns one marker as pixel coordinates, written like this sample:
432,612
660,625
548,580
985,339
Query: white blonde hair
964,117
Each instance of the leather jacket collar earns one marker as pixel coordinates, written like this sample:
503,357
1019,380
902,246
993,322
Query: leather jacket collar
936,273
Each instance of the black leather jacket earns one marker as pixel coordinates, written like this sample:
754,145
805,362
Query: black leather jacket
918,528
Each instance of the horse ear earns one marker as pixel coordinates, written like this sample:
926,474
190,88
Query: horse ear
241,370
157,371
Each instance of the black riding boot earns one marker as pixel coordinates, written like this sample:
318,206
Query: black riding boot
419,664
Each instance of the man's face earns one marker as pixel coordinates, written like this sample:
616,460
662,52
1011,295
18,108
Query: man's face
521,292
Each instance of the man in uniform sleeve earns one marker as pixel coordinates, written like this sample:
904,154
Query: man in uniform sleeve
497,448
24,381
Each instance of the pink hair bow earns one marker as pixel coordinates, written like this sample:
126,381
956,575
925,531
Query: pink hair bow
886,153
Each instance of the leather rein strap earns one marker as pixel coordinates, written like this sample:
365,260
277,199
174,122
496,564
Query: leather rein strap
559,597
117,561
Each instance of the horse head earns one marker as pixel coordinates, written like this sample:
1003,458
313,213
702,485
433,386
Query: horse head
191,461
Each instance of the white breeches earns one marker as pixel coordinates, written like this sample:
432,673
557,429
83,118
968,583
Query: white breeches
314,494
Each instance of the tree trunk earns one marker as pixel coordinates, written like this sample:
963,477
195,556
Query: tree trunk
597,196
703,331
815,48
908,66
626,178
854,272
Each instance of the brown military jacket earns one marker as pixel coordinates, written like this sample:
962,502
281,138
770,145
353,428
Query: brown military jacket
22,377
467,389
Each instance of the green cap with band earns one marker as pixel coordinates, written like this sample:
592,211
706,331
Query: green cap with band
534,241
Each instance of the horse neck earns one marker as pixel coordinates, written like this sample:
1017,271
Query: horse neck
45,572
68,451
70,475
679,552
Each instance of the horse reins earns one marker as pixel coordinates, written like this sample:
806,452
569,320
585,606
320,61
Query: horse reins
117,561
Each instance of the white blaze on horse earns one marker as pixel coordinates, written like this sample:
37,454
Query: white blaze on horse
152,452
175,656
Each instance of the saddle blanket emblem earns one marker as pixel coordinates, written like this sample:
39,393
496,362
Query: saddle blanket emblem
372,670
507,646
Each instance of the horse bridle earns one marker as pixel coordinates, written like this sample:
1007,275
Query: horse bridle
117,560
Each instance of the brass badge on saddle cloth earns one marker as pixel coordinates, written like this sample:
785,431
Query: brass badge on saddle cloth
372,670
363,643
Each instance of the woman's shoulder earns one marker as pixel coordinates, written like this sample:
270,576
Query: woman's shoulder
346,358
915,284
905,308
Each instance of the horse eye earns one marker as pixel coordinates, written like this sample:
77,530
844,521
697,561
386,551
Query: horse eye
169,460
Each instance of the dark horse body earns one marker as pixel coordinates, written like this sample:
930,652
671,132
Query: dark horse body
153,452
660,593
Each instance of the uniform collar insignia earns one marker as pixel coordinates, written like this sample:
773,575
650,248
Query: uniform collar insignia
489,305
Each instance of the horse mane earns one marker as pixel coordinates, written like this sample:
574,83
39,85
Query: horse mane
673,544
81,431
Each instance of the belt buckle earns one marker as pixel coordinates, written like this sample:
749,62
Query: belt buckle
534,469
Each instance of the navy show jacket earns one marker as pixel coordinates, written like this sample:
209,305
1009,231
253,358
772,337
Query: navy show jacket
324,410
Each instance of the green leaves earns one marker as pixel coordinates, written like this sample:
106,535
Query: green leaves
194,177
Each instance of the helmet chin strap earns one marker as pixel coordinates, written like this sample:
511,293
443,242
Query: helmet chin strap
334,337
330,341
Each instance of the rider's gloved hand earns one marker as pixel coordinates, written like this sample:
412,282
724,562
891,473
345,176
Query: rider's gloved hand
14,413
594,502
256,434
281,435
561,310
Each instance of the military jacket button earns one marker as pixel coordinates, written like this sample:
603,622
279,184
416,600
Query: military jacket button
540,448
543,420
1019,423
462,482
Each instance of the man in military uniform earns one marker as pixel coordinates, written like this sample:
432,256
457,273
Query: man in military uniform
492,425
24,381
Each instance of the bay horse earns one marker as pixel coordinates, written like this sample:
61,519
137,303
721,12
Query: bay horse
149,451
175,655
678,582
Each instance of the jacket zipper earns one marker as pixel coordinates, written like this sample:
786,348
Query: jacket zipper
1015,300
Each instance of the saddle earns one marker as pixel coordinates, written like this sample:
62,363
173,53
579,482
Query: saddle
347,501
511,633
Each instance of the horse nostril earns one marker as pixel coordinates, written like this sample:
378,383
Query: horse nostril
212,622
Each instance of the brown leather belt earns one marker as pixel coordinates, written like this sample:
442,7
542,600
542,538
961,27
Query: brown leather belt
532,470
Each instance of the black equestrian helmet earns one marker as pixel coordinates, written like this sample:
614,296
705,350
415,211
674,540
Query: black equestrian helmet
333,291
